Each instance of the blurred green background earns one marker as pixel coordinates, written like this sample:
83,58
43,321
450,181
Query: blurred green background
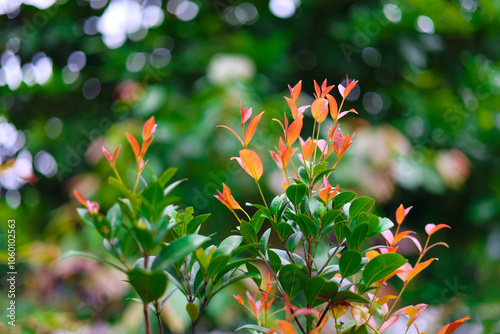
78,74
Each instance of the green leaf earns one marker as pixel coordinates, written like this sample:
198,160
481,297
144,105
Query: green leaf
232,265
144,234
359,234
124,190
277,205
346,326
349,296
149,284
114,216
167,176
274,260
292,278
343,198
229,244
172,186
303,175
248,232
257,278
193,225
330,217
350,262
360,204
316,208
293,241
284,230
373,224
102,226
296,193
253,327
319,176
203,259
385,224
85,216
264,240
380,267
319,290
178,250
231,281
72,253
307,225
217,264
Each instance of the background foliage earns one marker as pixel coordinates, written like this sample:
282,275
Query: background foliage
75,75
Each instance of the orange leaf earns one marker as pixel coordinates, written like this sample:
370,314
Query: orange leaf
371,254
149,128
432,228
400,236
251,163
145,146
319,109
293,107
245,114
385,299
108,156
334,109
115,155
135,145
234,133
400,214
418,268
295,91
239,299
350,87
342,114
450,328
252,126
293,132
80,198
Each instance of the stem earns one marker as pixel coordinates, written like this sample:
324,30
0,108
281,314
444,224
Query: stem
148,325
119,255
116,173
317,139
280,288
195,323
261,194
246,214
137,176
234,213
157,313
146,315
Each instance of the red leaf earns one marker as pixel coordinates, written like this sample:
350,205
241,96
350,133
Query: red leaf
245,114
319,109
432,228
295,91
115,155
234,133
251,163
149,128
108,156
450,328
293,132
418,268
334,109
145,146
293,107
135,145
252,126
80,198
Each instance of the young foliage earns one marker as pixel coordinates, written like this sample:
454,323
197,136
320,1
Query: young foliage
312,213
